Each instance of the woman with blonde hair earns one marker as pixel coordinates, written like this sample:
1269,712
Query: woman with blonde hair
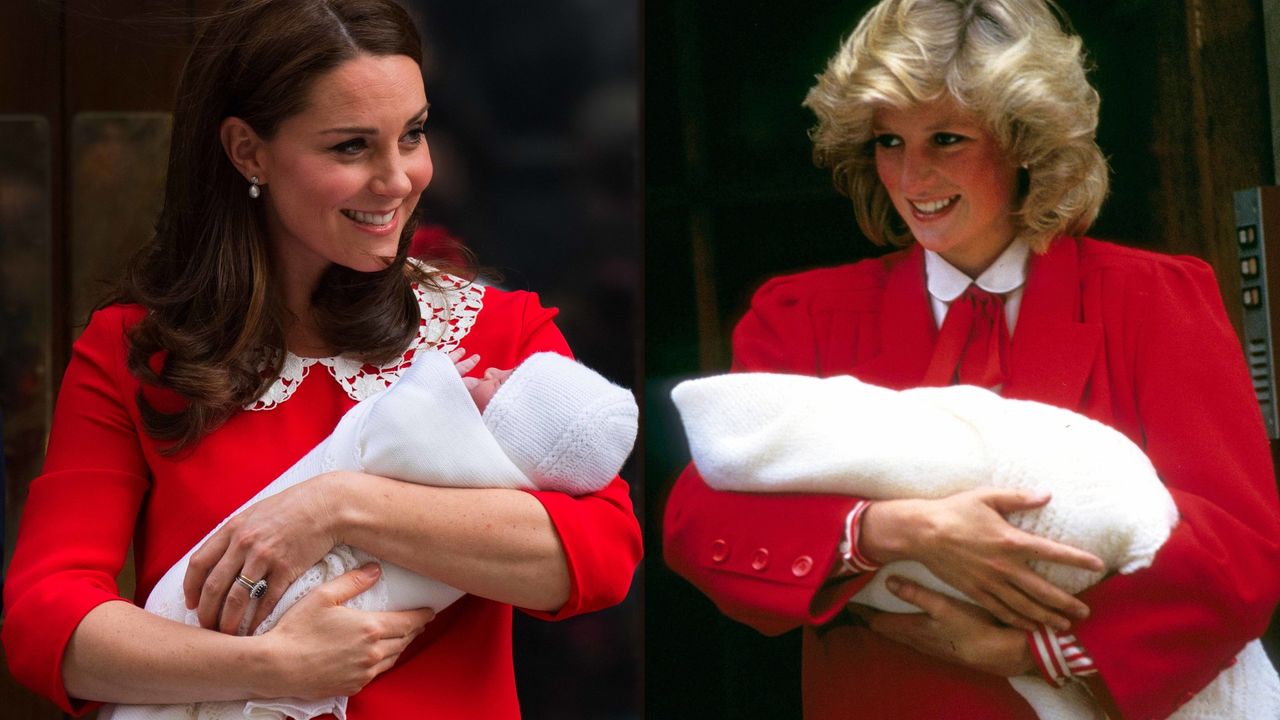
964,131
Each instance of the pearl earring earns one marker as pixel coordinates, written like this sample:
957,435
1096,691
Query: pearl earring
254,190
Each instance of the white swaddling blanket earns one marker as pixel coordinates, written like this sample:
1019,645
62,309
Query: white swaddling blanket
762,432
423,429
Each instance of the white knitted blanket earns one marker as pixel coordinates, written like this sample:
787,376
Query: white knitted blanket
760,432
424,429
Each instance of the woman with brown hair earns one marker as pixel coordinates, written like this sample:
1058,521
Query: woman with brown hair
275,295
963,131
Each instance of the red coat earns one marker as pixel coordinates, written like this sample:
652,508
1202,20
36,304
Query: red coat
105,483
1136,340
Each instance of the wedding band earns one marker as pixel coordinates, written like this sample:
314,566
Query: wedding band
256,589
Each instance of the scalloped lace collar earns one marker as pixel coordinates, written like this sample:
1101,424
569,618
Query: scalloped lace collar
446,316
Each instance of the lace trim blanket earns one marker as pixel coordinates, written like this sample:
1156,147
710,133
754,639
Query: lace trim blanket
761,432
425,429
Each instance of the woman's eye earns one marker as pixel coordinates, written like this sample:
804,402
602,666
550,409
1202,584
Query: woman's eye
947,139
415,135
887,141
350,147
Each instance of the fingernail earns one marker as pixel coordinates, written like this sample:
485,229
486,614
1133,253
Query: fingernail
894,584
1061,624
371,569
1081,612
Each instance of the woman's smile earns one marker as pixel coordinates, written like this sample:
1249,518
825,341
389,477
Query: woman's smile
344,176
929,209
376,223
948,179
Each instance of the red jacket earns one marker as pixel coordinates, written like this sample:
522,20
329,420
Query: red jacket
1136,340
105,483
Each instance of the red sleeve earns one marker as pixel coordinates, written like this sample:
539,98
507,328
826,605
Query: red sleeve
1161,634
599,531
79,514
763,558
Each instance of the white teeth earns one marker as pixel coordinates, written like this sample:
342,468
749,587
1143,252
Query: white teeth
933,206
369,218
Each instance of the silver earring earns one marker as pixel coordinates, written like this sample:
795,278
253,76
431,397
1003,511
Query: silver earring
254,190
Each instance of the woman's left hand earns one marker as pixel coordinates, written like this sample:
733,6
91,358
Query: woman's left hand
952,630
276,540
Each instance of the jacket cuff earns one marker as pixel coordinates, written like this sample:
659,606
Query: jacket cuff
1059,657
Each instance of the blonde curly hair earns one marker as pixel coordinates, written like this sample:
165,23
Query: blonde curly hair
1009,62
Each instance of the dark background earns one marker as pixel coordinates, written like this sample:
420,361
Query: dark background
732,197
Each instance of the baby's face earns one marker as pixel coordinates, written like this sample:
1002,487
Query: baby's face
484,389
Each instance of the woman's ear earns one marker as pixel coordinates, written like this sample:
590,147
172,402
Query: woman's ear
244,148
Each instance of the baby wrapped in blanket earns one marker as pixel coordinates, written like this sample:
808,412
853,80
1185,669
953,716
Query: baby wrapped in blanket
762,432
550,424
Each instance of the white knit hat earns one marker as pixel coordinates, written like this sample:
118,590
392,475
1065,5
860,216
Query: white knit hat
563,424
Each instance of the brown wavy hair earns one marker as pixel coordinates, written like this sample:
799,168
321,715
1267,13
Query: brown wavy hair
214,328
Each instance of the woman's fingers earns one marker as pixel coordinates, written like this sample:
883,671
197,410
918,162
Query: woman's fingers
201,564
953,631
1005,501
406,623
968,543
933,603
1049,595
1038,548
1032,612
995,604
339,649
349,584
275,591
216,587
239,599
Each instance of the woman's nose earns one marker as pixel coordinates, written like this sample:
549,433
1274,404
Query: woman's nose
392,178
917,170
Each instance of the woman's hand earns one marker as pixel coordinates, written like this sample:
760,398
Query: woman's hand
325,649
275,540
952,630
965,541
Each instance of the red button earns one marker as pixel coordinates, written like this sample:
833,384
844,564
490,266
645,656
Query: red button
760,560
719,551
802,566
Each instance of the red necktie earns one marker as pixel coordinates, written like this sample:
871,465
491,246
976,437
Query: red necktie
973,343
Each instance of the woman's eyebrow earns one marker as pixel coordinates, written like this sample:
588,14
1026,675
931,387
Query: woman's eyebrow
354,130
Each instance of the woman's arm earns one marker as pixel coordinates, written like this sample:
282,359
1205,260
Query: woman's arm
121,653
68,634
965,540
552,554
984,556
1161,633
498,544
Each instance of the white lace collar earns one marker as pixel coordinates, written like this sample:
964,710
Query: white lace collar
446,316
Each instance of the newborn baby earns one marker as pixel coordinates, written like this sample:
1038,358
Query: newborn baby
549,424
763,432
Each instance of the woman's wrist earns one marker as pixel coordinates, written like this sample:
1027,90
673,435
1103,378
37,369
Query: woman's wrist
1025,663
340,514
888,531
265,677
